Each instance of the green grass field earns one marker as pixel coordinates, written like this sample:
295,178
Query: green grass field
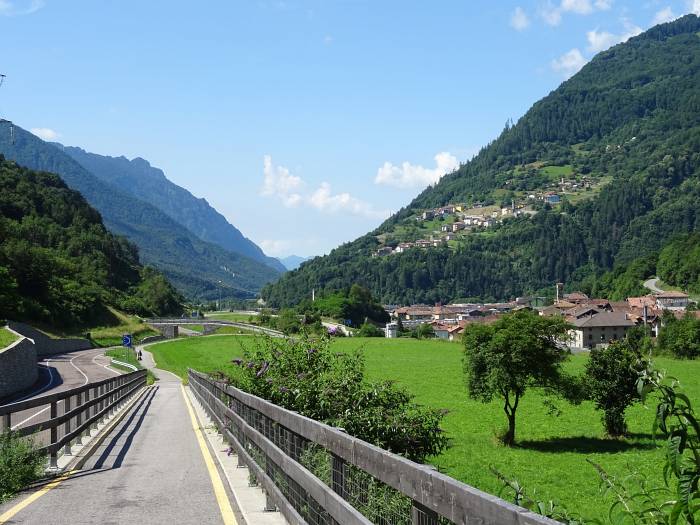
6,337
552,450
229,316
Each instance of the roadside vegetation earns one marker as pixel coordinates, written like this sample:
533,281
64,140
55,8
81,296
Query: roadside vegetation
128,355
6,337
108,331
20,464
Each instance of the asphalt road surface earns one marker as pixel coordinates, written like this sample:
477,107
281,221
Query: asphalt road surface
62,372
653,285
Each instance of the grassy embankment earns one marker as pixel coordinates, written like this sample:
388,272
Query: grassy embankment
6,337
552,450
109,331
128,355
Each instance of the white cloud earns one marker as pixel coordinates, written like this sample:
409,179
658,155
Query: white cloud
663,16
411,176
279,182
275,247
694,7
14,8
519,19
324,200
602,40
569,63
45,133
552,13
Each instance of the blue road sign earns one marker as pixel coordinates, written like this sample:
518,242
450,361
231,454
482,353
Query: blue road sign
126,340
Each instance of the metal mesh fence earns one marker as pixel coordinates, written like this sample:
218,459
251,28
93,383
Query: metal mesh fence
378,502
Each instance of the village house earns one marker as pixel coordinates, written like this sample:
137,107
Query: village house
428,215
446,228
599,328
672,301
402,247
384,250
457,226
552,198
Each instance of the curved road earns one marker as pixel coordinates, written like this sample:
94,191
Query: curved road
653,285
62,372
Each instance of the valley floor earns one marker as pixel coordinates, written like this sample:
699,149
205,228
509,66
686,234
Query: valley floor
550,457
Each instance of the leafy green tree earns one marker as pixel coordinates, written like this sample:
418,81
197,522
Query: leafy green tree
680,337
369,330
288,321
611,380
520,350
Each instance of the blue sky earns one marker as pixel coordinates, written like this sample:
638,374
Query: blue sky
304,122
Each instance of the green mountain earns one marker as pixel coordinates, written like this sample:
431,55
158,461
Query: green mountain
197,268
625,131
138,178
58,262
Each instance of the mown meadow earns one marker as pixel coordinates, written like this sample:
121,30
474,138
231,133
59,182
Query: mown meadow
554,439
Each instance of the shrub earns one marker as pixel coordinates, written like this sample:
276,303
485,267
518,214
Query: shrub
303,374
20,464
370,330
680,337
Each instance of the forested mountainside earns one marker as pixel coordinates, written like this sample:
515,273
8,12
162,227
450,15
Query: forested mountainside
194,266
628,125
58,262
138,178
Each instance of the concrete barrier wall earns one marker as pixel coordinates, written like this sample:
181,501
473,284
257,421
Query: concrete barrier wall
18,368
44,344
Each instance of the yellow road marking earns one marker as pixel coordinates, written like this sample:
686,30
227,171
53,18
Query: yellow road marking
34,496
219,490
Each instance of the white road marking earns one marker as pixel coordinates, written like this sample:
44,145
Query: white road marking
46,361
109,369
43,388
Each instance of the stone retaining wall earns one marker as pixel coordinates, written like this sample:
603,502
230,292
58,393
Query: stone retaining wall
18,369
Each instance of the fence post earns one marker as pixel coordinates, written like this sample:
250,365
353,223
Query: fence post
95,407
338,476
422,515
53,461
66,425
79,418
6,423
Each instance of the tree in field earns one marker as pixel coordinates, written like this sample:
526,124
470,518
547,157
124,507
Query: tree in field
520,350
611,380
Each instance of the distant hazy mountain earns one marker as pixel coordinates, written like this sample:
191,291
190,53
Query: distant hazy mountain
199,269
150,184
293,261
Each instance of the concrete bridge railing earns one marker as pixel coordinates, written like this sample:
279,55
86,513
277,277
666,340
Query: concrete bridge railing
314,473
167,322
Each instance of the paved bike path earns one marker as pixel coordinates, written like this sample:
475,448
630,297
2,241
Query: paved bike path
149,469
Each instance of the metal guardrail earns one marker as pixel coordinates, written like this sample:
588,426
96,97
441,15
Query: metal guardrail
317,474
83,408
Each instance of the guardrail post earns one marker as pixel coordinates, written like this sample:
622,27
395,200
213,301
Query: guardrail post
422,515
53,461
94,408
6,423
66,425
79,417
